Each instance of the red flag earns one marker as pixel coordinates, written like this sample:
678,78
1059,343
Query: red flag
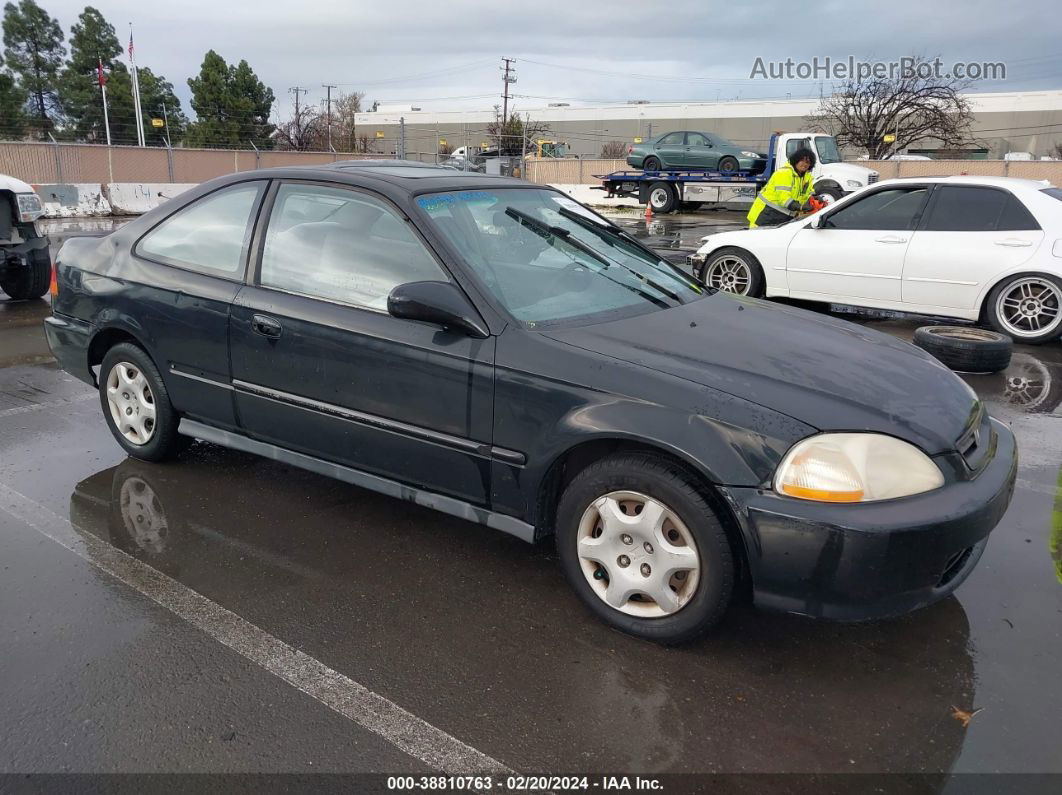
100,75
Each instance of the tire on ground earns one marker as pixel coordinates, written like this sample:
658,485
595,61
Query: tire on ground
966,349
669,484
32,280
165,442
662,197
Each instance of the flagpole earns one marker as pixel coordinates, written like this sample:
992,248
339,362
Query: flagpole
136,93
103,90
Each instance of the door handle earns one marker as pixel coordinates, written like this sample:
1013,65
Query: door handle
1013,243
891,239
267,326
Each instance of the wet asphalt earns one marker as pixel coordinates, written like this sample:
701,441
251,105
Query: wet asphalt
470,630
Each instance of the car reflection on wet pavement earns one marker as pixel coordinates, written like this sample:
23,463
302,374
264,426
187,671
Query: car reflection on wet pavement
476,632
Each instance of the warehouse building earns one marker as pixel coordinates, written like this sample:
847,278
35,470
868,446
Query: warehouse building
1026,121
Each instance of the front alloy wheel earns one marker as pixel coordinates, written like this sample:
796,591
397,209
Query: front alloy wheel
637,555
729,273
131,403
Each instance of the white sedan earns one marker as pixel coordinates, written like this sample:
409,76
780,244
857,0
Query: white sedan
977,248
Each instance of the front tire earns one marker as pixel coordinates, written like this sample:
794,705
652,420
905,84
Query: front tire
734,270
137,406
1027,308
32,280
728,164
644,550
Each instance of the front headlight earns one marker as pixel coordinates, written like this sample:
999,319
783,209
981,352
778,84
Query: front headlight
854,183
855,467
29,207
751,154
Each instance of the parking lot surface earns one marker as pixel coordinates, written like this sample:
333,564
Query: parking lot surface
227,613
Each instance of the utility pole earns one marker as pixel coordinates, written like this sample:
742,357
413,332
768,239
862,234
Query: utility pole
296,90
328,113
166,121
507,79
401,150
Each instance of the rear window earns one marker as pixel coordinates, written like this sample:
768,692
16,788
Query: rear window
1054,193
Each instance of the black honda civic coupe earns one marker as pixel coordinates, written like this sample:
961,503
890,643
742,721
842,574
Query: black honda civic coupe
496,351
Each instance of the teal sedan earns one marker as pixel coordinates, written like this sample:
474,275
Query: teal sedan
688,149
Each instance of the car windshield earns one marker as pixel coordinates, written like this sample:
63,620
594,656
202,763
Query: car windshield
826,146
551,261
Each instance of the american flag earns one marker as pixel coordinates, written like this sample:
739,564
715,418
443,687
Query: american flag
130,43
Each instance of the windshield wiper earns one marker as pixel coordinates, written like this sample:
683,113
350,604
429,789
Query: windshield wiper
600,231
549,232
546,231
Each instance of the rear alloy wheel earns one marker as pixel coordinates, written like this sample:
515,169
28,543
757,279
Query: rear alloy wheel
734,271
137,406
662,197
643,549
651,163
1028,308
966,349
728,164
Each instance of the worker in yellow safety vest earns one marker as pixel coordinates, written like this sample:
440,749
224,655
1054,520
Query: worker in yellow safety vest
786,193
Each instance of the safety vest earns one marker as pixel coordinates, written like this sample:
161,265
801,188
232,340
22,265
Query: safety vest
784,186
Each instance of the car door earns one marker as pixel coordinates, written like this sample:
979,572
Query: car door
699,151
193,264
969,236
857,253
320,367
671,149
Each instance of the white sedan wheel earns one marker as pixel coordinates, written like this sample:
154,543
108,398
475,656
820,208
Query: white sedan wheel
637,555
1030,307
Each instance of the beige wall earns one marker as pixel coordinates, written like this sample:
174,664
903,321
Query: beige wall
71,163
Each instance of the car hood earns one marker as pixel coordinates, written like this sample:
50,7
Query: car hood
14,185
846,171
827,373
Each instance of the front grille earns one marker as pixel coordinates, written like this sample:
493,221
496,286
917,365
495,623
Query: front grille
977,440
872,179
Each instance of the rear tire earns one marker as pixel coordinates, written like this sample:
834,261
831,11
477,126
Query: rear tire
966,349
728,164
680,536
651,163
138,411
662,197
1017,305
32,280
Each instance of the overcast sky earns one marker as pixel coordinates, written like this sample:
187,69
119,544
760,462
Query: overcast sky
446,53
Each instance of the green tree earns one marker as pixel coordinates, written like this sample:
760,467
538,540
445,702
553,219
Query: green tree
12,101
92,39
33,50
231,104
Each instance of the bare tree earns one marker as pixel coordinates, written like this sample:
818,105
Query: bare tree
344,126
912,107
613,150
509,135
304,131
1058,151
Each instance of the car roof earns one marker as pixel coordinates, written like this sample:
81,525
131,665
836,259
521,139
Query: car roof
1010,183
377,163
395,181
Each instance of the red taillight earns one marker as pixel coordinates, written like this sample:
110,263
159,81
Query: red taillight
630,150
54,287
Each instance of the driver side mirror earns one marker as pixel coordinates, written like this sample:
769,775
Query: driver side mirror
440,303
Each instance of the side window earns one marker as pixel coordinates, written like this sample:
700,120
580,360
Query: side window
796,143
894,208
696,139
966,209
674,139
341,245
1015,217
209,236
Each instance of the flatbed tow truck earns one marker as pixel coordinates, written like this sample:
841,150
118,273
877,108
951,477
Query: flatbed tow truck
668,190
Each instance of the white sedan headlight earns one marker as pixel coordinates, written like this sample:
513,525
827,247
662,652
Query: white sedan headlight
855,467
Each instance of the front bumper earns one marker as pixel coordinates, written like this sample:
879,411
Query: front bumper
69,340
873,560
